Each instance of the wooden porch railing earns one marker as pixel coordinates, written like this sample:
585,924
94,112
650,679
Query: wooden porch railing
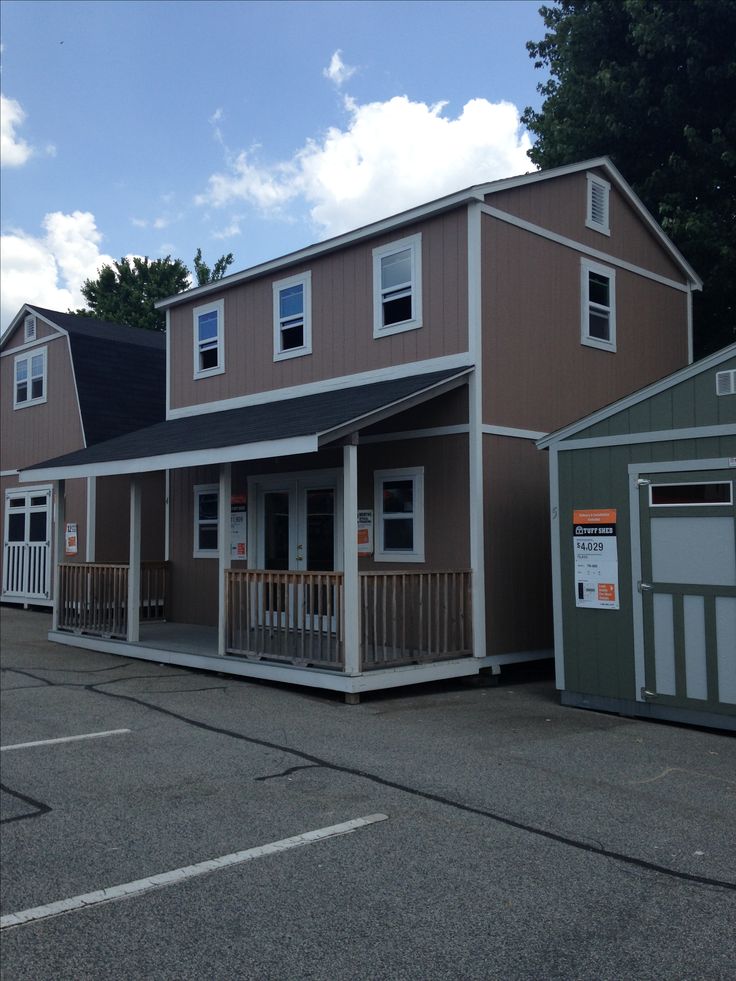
93,596
291,616
411,617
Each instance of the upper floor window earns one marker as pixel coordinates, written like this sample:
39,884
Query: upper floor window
292,317
206,503
29,327
30,378
598,305
209,348
597,208
397,286
399,502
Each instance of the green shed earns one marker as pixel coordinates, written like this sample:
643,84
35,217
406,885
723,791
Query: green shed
643,510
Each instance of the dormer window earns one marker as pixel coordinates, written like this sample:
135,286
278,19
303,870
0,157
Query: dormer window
30,328
598,198
29,386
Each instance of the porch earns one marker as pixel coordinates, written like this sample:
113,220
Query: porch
295,619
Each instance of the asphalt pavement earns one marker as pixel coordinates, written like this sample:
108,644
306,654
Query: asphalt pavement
509,837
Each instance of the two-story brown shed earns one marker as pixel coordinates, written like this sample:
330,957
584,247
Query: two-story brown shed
70,382
355,499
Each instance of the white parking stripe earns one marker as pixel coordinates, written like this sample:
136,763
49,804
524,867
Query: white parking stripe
179,875
65,739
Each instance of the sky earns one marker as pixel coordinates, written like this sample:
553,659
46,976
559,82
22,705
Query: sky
155,128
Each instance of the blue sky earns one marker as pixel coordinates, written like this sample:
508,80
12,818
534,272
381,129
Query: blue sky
152,128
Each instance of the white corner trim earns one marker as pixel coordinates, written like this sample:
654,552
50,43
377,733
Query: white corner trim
476,487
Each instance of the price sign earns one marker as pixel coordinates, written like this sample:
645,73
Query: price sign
595,553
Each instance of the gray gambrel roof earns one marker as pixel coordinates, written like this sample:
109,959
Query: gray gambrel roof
275,428
119,372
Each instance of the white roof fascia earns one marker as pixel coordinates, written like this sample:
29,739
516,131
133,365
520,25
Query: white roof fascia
475,193
391,408
174,461
322,248
669,381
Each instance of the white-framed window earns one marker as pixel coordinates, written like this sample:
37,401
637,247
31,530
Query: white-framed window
29,328
206,503
597,305
209,346
399,505
29,385
292,317
397,286
597,210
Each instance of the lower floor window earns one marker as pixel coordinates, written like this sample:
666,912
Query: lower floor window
206,498
399,503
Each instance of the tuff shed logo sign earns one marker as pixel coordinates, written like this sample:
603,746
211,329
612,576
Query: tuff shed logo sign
596,558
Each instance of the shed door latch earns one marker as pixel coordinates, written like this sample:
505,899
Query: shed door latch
643,482
644,587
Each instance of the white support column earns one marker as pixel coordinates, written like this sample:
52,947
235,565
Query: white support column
476,489
351,585
167,516
223,547
58,540
91,533
134,563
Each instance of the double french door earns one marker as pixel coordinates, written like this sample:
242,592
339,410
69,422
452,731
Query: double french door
298,530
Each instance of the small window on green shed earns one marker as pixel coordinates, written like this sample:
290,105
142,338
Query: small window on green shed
690,495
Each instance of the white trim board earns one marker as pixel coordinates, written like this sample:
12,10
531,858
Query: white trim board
458,430
489,430
570,243
31,344
390,373
657,436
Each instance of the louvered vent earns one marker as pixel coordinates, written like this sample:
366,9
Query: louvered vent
726,382
598,202
30,328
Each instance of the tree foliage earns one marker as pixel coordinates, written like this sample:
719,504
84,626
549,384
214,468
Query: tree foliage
127,291
652,84
206,275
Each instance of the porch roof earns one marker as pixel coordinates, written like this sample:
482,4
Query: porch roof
281,427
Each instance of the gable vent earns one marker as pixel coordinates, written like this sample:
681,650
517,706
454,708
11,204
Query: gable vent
30,328
598,197
726,382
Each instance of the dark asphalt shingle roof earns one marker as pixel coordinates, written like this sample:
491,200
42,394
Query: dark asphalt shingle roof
284,419
120,373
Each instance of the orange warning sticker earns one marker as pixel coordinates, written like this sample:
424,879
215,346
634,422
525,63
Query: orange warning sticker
600,516
607,592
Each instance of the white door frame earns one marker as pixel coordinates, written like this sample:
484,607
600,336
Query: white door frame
45,490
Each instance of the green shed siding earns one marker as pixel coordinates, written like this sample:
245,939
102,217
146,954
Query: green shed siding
599,644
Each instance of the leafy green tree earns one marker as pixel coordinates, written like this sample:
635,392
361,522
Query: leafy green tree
206,275
126,292
652,84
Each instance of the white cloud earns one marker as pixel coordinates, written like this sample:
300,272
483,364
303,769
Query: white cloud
337,71
390,156
14,151
50,269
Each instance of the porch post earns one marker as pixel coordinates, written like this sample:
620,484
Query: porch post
59,529
223,545
350,564
134,563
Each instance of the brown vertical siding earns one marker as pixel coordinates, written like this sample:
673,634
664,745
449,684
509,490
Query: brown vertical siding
194,596
17,338
560,206
536,373
446,510
40,432
342,319
75,509
517,549
112,542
